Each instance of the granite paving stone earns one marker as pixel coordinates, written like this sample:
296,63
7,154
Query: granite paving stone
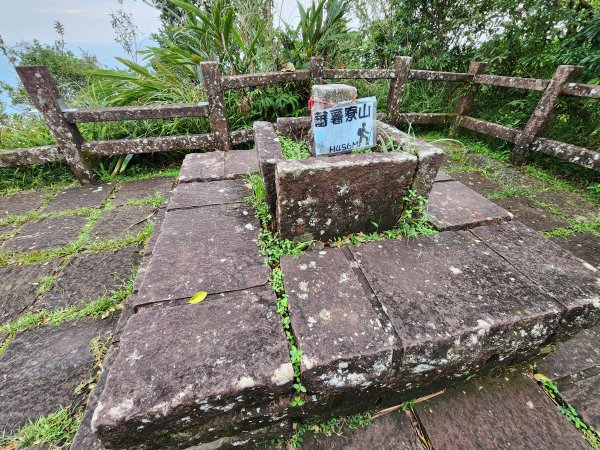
574,357
534,216
568,279
208,166
455,305
389,432
19,286
583,245
192,195
50,232
477,182
344,343
20,204
454,206
122,221
443,176
88,277
497,413
92,196
326,198
238,163
137,190
583,396
40,369
212,249
221,355
571,205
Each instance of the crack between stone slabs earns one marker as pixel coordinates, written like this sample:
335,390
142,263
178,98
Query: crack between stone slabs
377,306
174,302
419,429
204,206
563,308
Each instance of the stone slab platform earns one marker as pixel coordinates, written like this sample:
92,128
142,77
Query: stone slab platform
534,216
454,206
180,366
46,233
497,413
19,204
218,165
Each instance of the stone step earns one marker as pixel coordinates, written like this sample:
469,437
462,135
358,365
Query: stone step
378,323
217,165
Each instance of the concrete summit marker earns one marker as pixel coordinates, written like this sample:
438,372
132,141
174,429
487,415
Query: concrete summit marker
341,123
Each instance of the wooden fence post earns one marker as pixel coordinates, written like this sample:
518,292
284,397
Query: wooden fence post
217,114
45,96
402,70
316,70
544,111
464,104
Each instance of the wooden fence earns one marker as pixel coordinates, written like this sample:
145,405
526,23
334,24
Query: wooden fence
71,147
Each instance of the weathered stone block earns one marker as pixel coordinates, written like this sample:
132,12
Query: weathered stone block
45,233
504,412
331,93
294,127
20,204
269,153
480,184
345,346
583,396
92,196
193,195
221,355
238,163
209,166
534,216
453,206
443,176
455,305
571,281
137,190
120,222
41,369
321,199
212,249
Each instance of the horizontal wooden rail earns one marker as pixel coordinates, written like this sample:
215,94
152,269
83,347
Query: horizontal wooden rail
532,84
582,90
33,155
263,79
568,152
431,75
137,112
149,145
363,74
488,128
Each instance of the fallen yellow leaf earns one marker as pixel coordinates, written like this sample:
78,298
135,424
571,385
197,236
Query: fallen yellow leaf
197,297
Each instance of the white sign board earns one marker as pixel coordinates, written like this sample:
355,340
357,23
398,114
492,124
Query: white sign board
345,127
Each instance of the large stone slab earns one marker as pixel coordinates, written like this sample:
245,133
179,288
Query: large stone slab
137,190
455,305
92,196
20,204
569,280
238,163
120,222
325,198
221,355
46,233
208,166
443,176
526,211
497,413
212,249
575,357
88,277
453,206
344,343
390,432
193,195
480,184
583,396
583,245
40,369
19,287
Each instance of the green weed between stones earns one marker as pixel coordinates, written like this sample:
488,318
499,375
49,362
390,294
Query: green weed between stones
273,247
153,200
56,430
98,348
586,227
101,307
591,434
292,149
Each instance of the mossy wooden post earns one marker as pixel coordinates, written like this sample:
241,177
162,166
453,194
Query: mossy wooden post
464,104
217,114
543,113
45,96
316,70
402,70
